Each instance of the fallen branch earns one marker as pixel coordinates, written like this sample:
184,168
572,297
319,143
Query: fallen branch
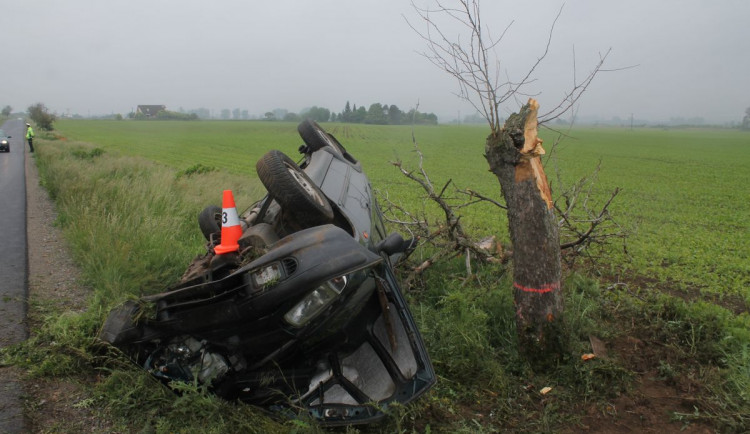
449,237
482,198
588,236
582,227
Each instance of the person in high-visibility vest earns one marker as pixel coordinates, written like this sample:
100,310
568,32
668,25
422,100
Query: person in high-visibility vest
30,137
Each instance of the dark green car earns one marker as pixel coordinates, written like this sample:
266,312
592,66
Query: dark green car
307,317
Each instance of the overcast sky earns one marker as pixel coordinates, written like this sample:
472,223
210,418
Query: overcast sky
97,57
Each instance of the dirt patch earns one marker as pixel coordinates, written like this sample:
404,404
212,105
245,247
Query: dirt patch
664,393
53,277
658,396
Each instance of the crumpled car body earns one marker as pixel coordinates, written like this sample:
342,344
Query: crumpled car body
307,317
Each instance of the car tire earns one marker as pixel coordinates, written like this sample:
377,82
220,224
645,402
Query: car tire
316,138
209,221
294,191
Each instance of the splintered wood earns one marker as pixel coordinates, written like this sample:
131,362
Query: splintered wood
531,161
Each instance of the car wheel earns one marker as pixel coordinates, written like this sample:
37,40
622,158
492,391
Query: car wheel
316,138
293,189
209,220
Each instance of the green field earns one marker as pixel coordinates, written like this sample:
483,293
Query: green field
683,196
127,195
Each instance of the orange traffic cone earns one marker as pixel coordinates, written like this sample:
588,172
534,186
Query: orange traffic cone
230,226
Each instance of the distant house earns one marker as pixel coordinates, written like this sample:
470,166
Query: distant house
149,110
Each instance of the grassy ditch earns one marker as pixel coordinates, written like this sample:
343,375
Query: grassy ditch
131,223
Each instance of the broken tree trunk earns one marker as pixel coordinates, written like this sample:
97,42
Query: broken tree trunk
514,157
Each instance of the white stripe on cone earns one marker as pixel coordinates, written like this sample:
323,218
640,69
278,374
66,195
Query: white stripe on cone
229,217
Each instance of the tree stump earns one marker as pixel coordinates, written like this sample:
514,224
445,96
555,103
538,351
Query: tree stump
513,155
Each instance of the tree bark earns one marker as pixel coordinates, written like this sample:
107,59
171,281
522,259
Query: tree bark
513,155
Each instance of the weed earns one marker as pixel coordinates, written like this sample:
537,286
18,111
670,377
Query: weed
85,403
197,169
666,371
86,154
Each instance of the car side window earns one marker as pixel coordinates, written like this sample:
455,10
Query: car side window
377,219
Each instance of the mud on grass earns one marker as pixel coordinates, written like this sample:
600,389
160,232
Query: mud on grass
689,363
655,398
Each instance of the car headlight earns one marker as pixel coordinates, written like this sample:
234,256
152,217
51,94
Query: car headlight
4,142
314,302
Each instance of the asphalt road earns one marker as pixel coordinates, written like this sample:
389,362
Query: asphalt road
13,268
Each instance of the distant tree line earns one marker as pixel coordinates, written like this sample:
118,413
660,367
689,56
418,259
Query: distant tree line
383,114
318,114
376,114
164,115
746,120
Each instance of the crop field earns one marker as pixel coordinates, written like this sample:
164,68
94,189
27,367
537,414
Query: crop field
683,199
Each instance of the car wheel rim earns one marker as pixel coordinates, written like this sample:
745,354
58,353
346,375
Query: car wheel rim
305,184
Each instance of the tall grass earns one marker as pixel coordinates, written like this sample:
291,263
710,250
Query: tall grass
132,227
131,222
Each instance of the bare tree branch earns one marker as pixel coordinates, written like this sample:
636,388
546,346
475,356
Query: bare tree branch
574,94
476,67
581,226
588,236
449,236
472,194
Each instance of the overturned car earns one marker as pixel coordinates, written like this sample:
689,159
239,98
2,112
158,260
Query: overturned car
307,316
